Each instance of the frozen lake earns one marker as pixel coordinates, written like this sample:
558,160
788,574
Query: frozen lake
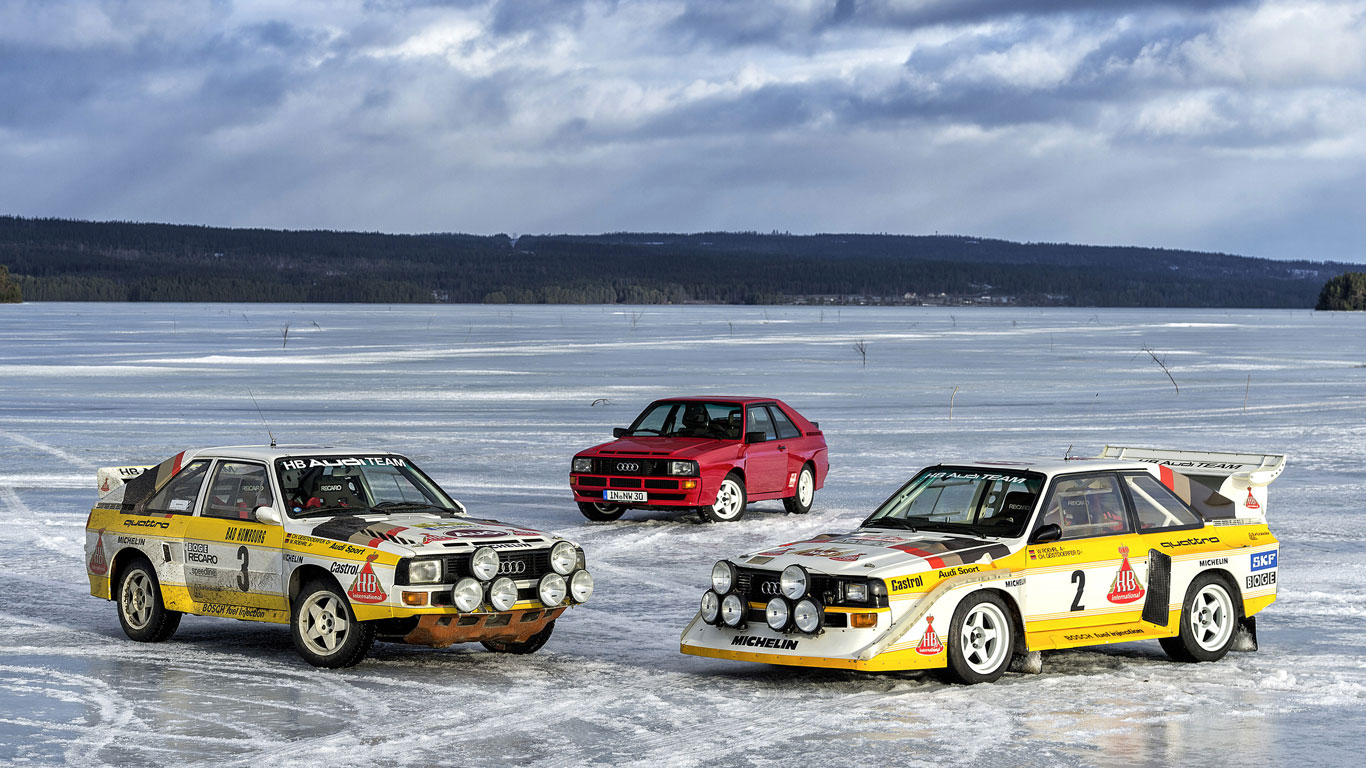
493,401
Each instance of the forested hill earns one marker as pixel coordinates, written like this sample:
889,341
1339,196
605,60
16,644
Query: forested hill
60,260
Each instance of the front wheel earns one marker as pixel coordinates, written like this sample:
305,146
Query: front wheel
325,630
142,613
799,503
601,513
530,645
1208,621
730,501
981,639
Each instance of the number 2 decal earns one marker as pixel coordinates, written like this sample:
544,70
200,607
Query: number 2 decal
1078,578
244,580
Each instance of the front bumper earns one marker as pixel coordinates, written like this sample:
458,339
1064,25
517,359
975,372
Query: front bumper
439,631
660,491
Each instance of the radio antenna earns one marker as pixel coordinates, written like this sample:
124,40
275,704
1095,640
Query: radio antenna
262,415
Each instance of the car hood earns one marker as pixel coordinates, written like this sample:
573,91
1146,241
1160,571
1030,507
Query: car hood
879,553
673,447
424,534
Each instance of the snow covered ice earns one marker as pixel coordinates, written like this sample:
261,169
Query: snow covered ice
493,402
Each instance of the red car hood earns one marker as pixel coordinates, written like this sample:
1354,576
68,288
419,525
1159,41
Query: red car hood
675,447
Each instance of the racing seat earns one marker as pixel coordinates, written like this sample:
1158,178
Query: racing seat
1015,509
336,491
695,421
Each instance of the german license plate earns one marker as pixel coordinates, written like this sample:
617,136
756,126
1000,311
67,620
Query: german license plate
624,495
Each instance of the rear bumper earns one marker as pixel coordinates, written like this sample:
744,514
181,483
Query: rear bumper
439,631
659,491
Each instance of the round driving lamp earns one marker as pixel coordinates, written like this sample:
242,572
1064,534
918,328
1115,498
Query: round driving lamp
581,586
794,582
808,615
732,610
503,594
467,594
551,590
722,576
563,558
711,607
777,614
484,563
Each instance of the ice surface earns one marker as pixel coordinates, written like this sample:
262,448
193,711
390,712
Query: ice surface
493,401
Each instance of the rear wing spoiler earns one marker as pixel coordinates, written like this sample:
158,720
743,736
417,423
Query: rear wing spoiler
1219,485
110,479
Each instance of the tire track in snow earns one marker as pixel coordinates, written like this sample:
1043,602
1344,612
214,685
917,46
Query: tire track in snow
45,448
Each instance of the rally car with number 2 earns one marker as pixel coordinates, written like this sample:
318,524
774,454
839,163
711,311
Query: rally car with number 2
970,565
344,546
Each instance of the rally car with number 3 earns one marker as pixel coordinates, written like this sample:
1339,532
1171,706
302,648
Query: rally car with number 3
971,565
344,546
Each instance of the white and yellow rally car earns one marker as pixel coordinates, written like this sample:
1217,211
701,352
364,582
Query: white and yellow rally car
345,546
970,565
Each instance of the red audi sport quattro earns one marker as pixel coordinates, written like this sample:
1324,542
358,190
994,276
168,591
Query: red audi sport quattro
712,454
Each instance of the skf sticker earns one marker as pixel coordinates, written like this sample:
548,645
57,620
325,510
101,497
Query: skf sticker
366,587
1262,561
1251,502
98,564
929,644
1126,587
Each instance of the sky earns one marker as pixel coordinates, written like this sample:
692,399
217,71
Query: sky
1214,125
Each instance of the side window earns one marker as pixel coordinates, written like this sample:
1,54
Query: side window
759,421
786,429
1087,505
238,488
179,495
1156,505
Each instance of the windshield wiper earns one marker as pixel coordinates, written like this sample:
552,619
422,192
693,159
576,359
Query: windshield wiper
408,505
330,510
891,522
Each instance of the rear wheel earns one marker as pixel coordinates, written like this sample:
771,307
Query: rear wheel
325,630
730,501
530,645
1209,622
799,503
601,513
142,613
981,639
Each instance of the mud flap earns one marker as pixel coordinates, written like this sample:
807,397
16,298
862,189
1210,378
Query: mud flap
1028,663
1159,588
1245,636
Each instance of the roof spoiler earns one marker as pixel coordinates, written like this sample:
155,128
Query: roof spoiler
109,479
1241,479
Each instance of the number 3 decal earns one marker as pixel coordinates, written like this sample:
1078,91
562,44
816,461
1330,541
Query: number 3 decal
244,580
1078,578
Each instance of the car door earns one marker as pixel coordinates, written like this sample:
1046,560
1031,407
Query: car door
1095,575
791,443
232,561
765,461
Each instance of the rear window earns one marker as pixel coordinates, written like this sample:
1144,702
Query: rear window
1157,506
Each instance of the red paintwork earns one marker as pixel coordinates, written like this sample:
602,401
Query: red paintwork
716,458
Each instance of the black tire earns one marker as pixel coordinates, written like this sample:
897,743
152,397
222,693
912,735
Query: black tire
313,625
530,645
731,499
981,639
1209,621
601,513
142,613
806,489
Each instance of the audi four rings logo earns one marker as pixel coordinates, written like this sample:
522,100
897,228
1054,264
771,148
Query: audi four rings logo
628,466
510,567
771,588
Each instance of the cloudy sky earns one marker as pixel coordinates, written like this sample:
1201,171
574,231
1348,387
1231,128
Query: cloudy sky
1207,124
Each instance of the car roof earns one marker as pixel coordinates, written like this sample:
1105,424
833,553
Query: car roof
273,452
746,399
1051,466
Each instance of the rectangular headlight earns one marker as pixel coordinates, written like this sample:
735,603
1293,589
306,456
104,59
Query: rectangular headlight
682,467
857,593
424,572
582,465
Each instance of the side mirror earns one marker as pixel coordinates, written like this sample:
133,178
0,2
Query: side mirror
1046,533
815,425
756,437
619,431
267,515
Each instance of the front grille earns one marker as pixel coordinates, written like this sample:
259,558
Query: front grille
516,565
623,482
596,482
667,485
750,584
630,465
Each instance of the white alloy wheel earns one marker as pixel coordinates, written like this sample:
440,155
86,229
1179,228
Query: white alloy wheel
730,500
137,599
323,623
806,487
985,638
1211,617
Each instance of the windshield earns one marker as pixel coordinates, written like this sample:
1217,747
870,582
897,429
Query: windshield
333,485
962,499
718,421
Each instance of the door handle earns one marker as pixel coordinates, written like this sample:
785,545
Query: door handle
782,447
